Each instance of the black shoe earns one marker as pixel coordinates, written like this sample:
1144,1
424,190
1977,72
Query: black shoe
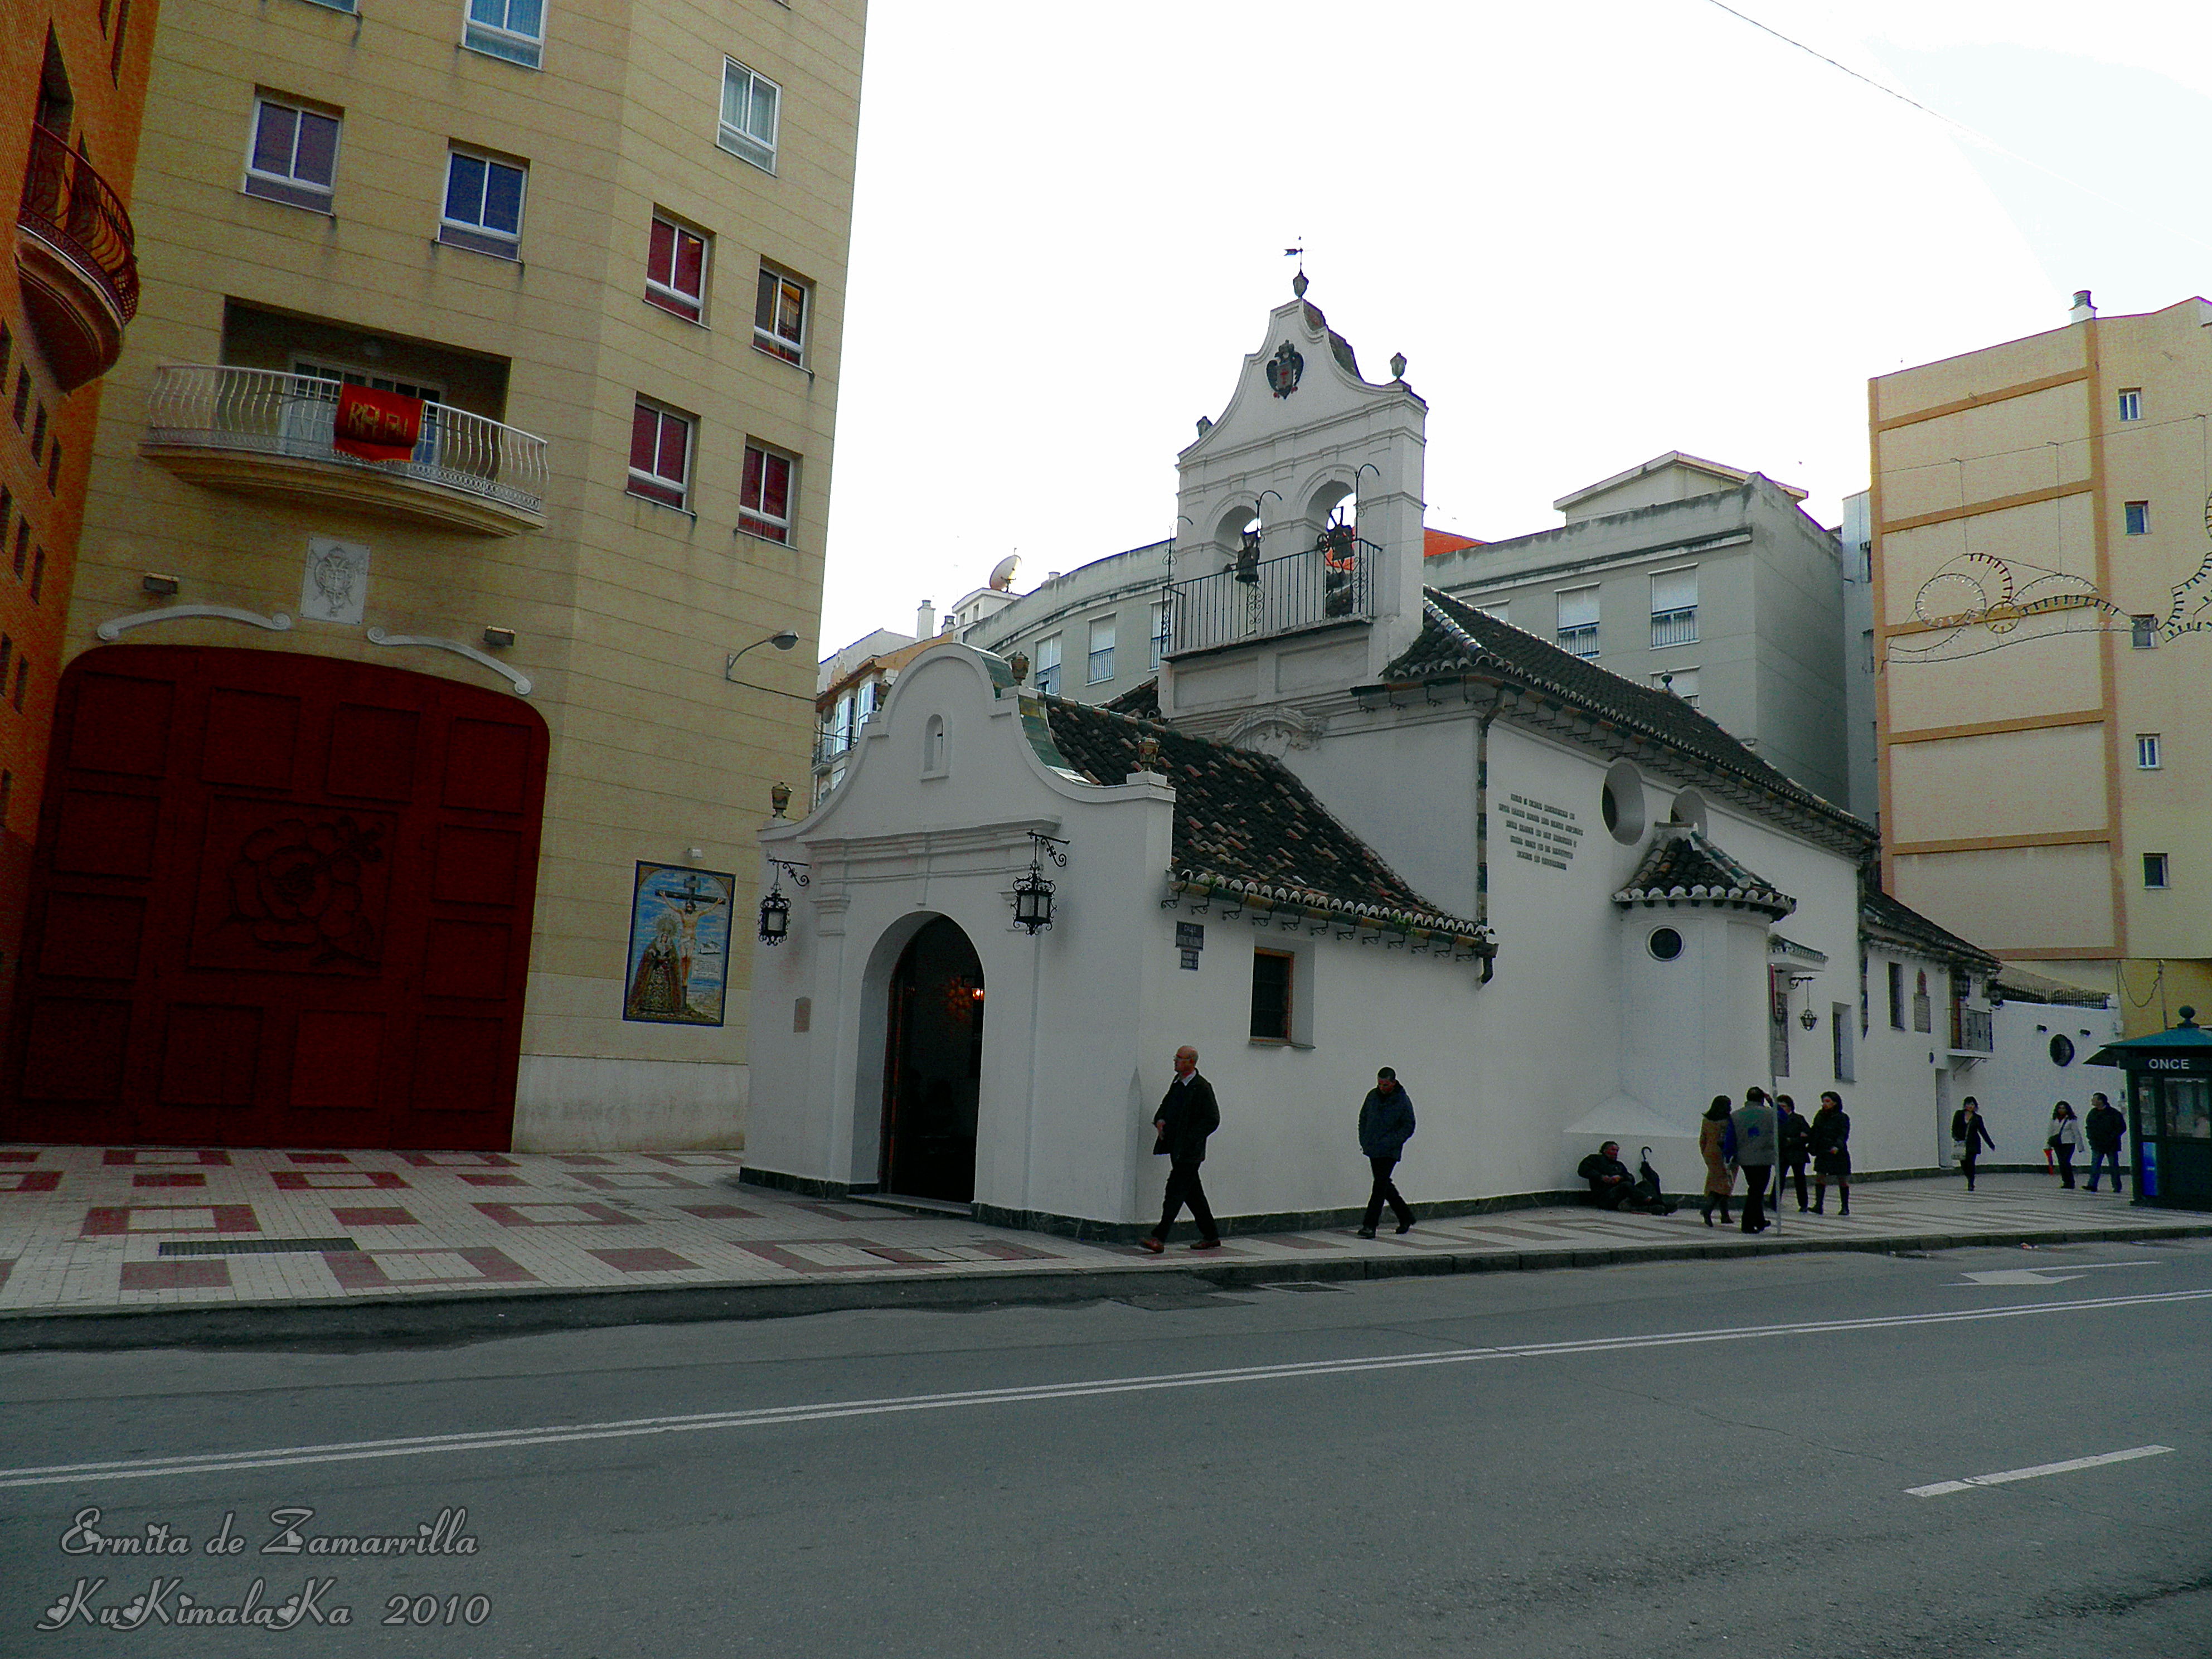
1404,1227
1367,1232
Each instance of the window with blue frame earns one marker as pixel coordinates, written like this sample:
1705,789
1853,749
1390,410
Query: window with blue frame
513,29
483,204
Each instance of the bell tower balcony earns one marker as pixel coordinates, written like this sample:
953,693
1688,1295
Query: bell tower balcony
74,256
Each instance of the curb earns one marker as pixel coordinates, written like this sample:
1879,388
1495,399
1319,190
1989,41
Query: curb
438,1320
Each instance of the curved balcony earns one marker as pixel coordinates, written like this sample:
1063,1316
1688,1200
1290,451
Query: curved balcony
264,432
74,255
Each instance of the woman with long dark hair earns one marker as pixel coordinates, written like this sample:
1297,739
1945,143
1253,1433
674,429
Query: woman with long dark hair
2065,1137
1720,1173
1831,1139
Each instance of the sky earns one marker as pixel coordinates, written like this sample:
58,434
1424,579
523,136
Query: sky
1598,231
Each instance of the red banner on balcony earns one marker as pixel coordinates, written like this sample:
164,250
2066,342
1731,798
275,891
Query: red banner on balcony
377,426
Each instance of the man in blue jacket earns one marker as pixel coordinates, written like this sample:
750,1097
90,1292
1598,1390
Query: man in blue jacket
1386,1124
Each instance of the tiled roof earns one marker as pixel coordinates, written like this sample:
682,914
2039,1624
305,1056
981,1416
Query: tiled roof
1882,917
2016,984
1684,867
1142,701
1456,638
1246,828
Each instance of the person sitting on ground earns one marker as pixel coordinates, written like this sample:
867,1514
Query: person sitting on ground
1612,1187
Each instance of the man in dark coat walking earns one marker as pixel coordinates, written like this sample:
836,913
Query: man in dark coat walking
1755,1146
1187,1115
1386,1124
2104,1128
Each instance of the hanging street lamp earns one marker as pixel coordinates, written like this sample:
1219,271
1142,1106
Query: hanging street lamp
774,908
1032,892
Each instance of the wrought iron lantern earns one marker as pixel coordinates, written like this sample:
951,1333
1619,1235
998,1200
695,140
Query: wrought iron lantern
774,908
1248,558
1032,892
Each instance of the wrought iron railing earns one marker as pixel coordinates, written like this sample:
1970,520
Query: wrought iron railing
1675,627
1579,642
70,204
208,406
1972,1031
830,744
1255,598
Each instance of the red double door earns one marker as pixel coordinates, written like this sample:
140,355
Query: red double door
278,900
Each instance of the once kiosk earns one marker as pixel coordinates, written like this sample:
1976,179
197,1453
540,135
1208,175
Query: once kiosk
2169,1112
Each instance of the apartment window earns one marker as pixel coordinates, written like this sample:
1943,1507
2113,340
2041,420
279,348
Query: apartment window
1048,666
1866,650
750,105
2147,756
2138,518
2153,863
483,204
37,575
22,544
513,29
1839,1035
23,397
115,54
23,676
1098,665
293,157
660,455
54,467
676,269
1271,996
2132,403
780,315
39,434
1675,608
1923,1012
1578,621
6,658
7,350
7,794
1681,681
764,501
2143,633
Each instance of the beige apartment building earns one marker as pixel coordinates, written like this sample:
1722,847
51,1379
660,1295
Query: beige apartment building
474,430
2042,575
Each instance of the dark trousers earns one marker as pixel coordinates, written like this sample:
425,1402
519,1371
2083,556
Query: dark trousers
1385,1192
1183,1188
1755,1195
2098,1160
2065,1166
1792,1167
1968,1159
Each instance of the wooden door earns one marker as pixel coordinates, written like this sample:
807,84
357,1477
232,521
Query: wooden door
277,900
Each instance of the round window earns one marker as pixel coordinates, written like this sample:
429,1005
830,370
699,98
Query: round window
1620,802
1665,943
2062,1050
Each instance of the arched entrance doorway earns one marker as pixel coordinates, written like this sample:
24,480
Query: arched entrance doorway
933,1066
277,900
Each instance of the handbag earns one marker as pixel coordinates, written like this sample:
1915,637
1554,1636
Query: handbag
2052,1143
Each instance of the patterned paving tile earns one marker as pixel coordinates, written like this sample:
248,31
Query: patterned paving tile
383,1216
143,1156
29,1181
169,1218
178,1178
322,1180
176,1275
377,1270
646,1259
558,1215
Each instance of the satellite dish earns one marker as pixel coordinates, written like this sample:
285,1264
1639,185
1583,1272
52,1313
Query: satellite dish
1002,574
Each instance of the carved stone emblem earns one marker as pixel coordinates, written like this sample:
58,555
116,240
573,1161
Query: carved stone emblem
1284,369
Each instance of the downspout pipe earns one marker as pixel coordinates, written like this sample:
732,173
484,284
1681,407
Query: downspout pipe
1482,827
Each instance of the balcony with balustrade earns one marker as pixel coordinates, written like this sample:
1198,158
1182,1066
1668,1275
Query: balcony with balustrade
75,259
1326,586
263,432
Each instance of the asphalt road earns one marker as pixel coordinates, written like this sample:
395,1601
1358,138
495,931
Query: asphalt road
1684,1458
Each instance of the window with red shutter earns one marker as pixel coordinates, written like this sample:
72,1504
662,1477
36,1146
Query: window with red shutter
660,455
676,269
764,500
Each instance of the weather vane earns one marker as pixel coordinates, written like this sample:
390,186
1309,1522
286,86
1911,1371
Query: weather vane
1298,282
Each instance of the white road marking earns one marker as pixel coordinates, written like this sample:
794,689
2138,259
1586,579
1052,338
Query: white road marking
2045,1275
2005,1476
140,1468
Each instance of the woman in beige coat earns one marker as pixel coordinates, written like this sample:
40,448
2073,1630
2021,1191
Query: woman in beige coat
1720,1173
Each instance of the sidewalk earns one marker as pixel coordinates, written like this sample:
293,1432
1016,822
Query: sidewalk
137,1230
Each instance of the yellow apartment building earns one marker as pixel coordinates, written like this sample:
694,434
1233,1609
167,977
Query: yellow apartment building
474,429
2042,569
